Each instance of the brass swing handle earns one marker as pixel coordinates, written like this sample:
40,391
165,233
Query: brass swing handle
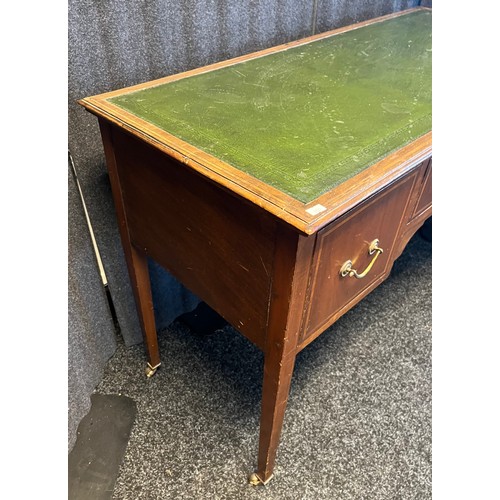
347,270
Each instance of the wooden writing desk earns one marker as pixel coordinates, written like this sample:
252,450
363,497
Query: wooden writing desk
279,186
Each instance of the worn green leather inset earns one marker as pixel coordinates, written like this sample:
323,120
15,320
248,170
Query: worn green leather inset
305,119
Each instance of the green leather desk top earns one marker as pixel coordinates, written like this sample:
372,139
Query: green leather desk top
305,119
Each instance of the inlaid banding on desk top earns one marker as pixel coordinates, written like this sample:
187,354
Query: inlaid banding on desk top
305,119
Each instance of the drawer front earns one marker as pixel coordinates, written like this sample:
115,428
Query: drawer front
425,198
349,239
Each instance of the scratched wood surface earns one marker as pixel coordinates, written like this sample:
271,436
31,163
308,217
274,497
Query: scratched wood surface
304,120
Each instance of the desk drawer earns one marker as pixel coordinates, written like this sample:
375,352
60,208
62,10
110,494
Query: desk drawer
424,200
349,239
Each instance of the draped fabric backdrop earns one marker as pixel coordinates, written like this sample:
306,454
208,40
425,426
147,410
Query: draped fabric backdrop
117,43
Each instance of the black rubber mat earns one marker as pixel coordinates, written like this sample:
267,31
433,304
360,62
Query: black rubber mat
103,434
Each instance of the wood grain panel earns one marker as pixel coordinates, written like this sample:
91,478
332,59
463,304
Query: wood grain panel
220,246
419,208
425,197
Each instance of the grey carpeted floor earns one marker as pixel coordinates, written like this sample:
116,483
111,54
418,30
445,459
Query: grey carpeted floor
358,422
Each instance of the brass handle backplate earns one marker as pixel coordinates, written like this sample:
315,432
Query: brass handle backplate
347,270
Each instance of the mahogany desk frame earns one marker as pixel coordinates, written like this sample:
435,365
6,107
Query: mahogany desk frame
269,264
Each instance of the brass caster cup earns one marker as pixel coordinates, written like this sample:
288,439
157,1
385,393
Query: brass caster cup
151,370
255,480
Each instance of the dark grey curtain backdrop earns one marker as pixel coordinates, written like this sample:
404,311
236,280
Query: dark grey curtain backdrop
116,43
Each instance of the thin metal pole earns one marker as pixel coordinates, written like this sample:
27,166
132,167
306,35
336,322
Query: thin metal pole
94,243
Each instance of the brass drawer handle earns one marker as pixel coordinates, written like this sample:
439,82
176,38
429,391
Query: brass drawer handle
347,270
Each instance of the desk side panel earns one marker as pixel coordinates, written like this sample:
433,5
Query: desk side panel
218,245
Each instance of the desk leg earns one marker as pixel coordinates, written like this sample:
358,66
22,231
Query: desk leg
136,259
292,262
276,385
139,275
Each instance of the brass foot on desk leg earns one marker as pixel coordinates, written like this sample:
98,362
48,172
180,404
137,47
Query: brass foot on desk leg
255,480
151,370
